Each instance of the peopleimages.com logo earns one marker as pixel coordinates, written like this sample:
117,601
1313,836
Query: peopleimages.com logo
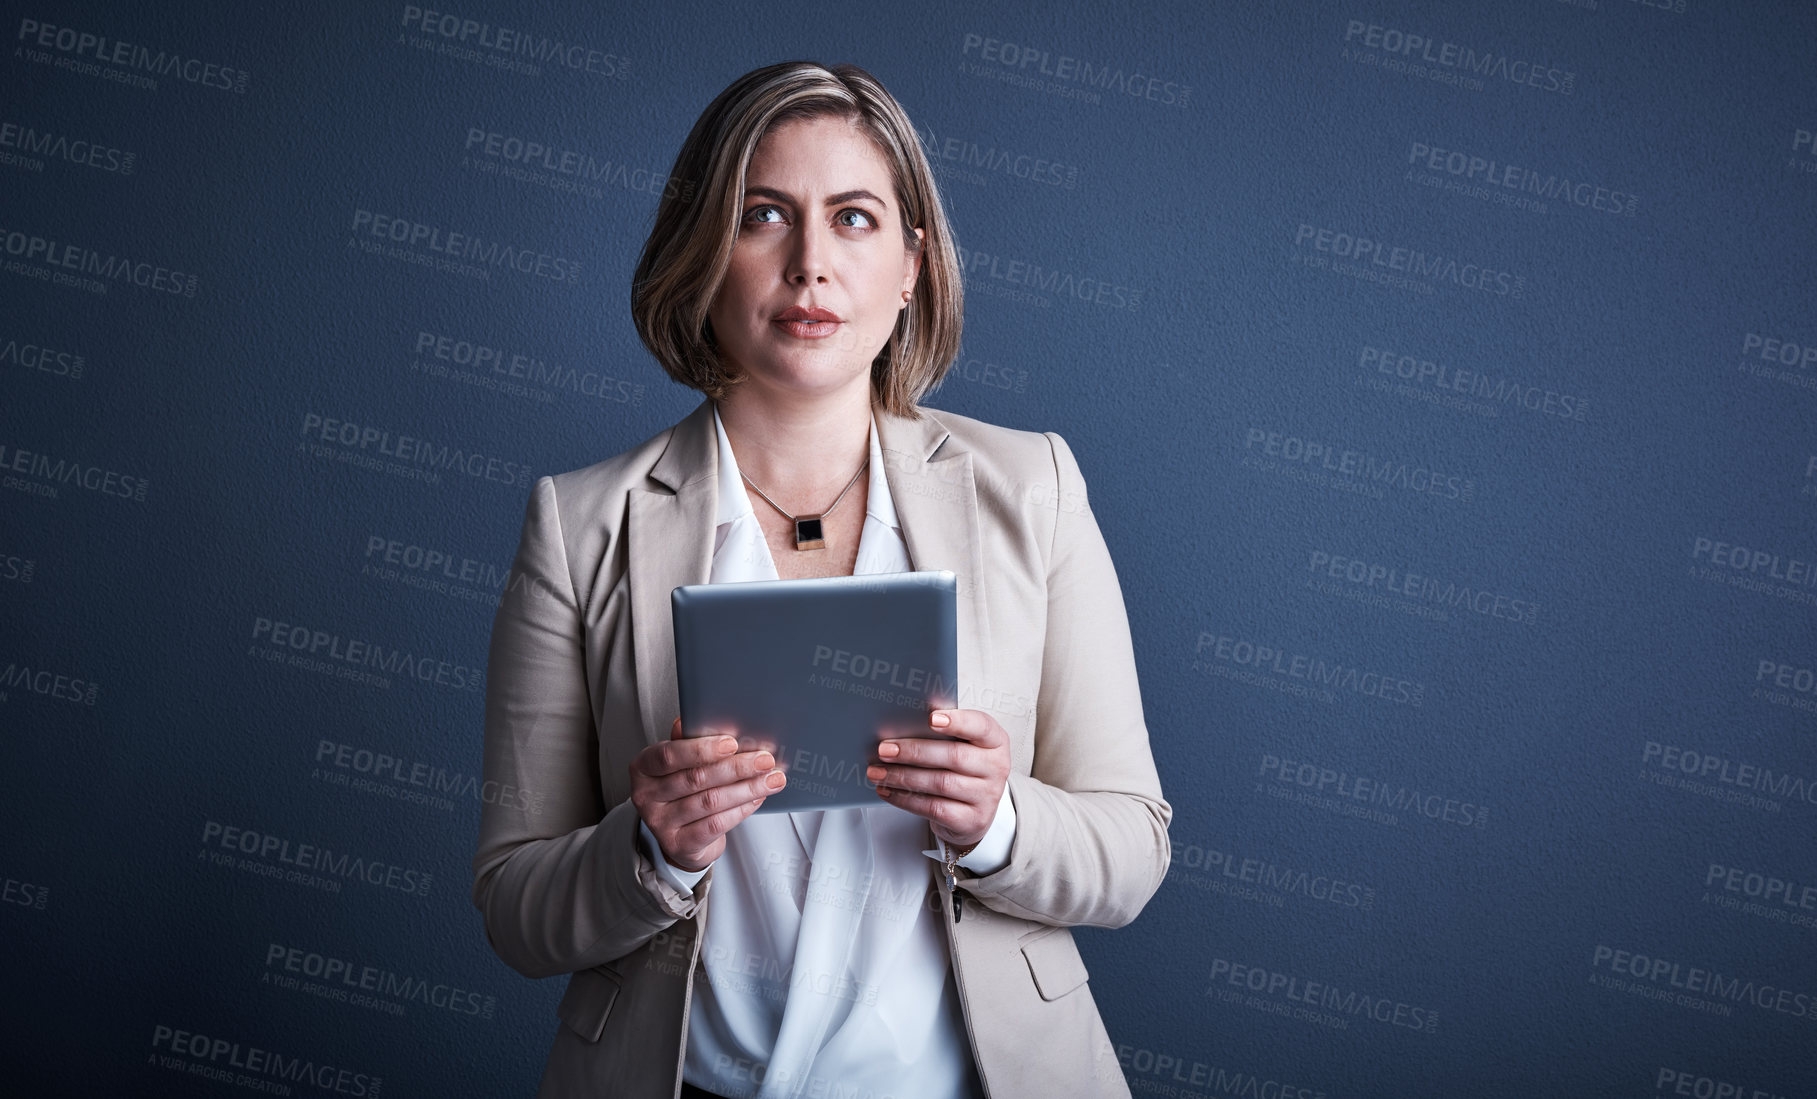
98,55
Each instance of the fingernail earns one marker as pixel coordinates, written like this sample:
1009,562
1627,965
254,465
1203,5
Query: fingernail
875,774
883,791
765,761
939,719
888,749
775,780
727,745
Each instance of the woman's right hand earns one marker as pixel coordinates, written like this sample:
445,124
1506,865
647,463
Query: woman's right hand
691,791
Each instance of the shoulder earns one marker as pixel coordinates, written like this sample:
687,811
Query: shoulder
587,489
1026,481
1030,455
1012,461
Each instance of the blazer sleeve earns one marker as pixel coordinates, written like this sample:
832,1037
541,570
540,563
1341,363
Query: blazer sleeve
561,882
1091,843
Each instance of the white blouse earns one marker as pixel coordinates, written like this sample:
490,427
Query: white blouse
826,968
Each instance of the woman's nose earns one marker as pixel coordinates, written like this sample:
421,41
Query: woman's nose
807,256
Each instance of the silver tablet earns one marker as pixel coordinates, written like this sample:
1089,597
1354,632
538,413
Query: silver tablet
817,671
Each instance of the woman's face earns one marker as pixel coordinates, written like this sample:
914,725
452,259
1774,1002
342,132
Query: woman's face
820,230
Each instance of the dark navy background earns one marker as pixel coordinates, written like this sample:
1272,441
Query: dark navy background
169,498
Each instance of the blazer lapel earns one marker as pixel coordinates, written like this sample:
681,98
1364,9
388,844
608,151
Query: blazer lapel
936,500
669,539
669,542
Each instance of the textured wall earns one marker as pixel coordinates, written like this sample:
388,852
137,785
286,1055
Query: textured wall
1443,374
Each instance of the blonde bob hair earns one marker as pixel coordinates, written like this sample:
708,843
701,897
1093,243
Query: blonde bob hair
690,246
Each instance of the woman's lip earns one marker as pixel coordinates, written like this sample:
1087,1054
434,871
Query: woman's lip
808,330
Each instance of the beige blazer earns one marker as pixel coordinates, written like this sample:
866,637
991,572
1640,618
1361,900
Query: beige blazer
581,677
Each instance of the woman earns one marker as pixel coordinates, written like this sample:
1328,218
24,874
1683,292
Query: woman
811,292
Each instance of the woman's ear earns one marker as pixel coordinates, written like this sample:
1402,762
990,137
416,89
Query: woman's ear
914,259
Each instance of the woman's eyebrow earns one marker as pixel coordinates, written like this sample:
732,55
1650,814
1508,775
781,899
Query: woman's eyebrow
831,200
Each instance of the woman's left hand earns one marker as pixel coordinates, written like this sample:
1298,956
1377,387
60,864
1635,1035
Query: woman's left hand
955,784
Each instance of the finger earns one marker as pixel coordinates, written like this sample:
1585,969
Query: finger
956,816
693,780
951,755
673,755
975,726
930,780
717,799
701,833
678,732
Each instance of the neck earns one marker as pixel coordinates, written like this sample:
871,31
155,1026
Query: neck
800,451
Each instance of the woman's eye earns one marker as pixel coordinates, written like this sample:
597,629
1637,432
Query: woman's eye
866,223
752,215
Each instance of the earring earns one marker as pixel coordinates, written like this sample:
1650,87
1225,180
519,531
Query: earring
906,295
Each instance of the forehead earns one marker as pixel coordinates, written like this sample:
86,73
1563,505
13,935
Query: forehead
818,156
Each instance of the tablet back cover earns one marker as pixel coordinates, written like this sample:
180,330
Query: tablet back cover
817,671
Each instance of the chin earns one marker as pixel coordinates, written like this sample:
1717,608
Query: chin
810,377
815,362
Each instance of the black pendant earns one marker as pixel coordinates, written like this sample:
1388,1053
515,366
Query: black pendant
808,534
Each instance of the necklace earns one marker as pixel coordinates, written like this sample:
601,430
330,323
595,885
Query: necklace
809,534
